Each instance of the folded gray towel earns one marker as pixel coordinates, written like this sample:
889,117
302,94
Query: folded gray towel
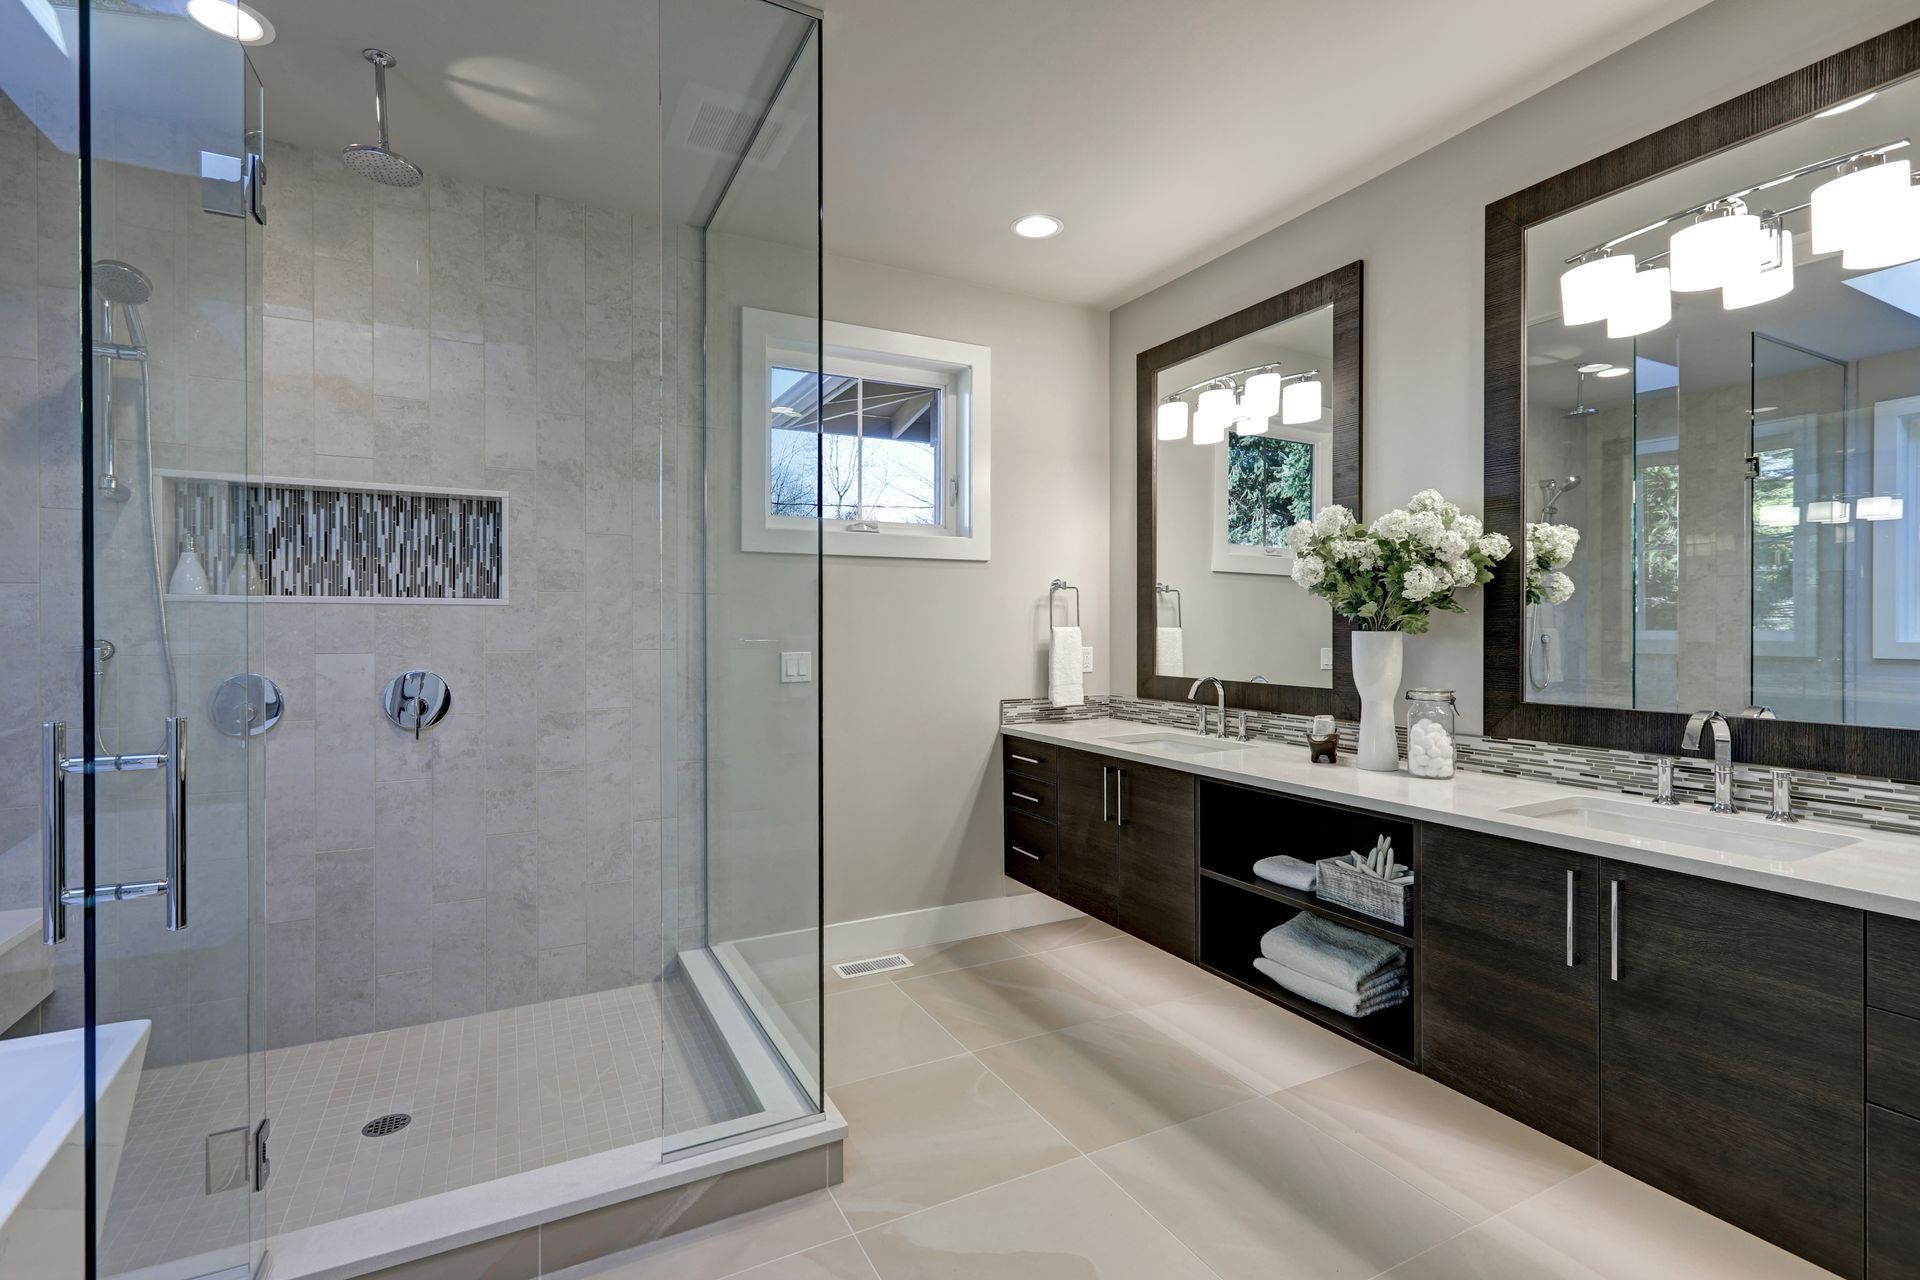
1353,1004
1329,952
1291,872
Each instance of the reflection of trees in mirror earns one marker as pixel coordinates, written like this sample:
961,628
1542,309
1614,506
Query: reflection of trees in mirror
1773,541
1269,487
1660,546
879,459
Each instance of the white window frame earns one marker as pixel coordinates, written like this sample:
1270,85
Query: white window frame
962,370
1230,557
1896,562
1804,640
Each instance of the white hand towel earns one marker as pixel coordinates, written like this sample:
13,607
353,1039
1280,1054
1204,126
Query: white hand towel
1331,997
1170,651
1291,872
1065,685
1330,952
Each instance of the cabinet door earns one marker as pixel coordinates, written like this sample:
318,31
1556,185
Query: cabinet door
1732,1056
1087,835
1893,1196
1154,808
1509,979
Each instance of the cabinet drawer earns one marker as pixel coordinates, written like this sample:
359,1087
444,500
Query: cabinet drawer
1033,853
1893,964
1030,797
1893,1196
1034,759
1893,1061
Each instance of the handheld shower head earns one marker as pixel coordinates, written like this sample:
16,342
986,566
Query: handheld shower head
122,282
378,160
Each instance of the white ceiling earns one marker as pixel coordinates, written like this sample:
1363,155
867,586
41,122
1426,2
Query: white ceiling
1163,132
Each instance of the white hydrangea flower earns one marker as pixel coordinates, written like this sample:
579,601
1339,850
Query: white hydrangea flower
1426,528
1419,583
1468,527
1495,546
1452,544
1462,571
1558,587
1300,536
1391,526
1332,520
1363,553
1309,570
1427,500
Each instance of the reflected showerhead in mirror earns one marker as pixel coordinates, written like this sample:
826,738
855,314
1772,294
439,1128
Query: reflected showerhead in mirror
378,160
1551,491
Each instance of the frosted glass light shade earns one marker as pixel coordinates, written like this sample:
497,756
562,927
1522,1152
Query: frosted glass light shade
1831,512
1779,515
1881,507
1856,203
1763,282
1301,402
1887,234
1255,425
1171,421
1587,291
1643,306
1215,414
1262,394
1715,250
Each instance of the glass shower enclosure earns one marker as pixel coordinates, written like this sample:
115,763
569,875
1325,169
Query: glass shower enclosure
288,941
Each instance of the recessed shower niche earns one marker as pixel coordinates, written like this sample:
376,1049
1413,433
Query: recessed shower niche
323,540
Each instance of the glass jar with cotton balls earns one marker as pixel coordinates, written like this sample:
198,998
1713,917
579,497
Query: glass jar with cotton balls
1430,733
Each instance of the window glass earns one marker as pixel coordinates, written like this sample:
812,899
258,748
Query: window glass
880,457
1269,486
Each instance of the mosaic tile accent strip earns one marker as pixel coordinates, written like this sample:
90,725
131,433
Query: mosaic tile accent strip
316,543
1882,804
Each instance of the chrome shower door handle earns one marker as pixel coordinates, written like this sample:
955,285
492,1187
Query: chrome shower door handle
53,832
176,823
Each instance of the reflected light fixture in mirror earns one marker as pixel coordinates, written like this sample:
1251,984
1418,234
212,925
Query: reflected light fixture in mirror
1769,278
235,21
1588,291
1644,305
1262,394
1880,507
1170,423
1612,371
1833,511
1888,235
1214,416
1301,402
1852,205
1724,244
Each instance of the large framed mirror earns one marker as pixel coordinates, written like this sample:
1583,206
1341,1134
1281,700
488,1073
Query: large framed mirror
1703,363
1245,426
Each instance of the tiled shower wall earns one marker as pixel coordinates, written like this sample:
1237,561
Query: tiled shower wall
462,335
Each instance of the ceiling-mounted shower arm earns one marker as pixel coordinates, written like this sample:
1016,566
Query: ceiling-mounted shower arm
381,60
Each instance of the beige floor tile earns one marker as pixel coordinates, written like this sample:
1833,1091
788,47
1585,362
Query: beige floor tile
1067,1223
723,1248
841,1260
1265,1045
1467,1156
1007,1000
1603,1225
930,1133
1060,933
1259,1194
1104,1082
878,1029
1131,971
939,958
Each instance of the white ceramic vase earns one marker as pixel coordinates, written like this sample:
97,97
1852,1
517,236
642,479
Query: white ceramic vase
1377,657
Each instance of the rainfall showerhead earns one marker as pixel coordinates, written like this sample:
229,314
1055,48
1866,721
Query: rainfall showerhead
378,160
122,282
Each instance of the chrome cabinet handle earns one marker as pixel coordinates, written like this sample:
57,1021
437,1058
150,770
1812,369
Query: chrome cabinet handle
53,832
1120,797
176,823
1106,810
1017,849
1021,795
1024,759
1614,965
1572,877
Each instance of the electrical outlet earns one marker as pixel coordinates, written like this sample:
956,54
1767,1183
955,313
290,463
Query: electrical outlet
1086,658
796,668
1326,659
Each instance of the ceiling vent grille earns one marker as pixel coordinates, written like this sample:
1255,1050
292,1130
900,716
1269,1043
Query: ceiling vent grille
724,124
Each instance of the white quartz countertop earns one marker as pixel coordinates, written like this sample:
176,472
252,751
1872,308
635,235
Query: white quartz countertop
1878,872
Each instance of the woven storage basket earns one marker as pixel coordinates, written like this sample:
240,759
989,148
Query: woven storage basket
1345,885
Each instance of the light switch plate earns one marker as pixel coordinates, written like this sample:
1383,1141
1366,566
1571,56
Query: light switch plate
1086,658
1326,659
796,668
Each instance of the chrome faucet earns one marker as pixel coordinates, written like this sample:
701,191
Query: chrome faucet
1220,692
1722,737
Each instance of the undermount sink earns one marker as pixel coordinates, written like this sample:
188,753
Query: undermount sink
1171,740
1639,822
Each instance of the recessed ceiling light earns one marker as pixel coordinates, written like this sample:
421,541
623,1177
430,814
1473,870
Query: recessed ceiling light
1847,106
235,21
1038,226
1613,371
1593,368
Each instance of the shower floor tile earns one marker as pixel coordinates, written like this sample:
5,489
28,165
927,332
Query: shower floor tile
489,1095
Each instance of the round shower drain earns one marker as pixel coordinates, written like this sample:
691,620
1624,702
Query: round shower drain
385,1125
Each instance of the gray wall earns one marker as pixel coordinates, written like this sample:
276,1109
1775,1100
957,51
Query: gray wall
1420,229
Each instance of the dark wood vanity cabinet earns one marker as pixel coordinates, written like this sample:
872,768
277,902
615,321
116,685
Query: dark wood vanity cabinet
1124,840
1732,1025
1510,948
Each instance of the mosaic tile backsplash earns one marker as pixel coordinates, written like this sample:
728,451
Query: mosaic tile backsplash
339,542
1879,803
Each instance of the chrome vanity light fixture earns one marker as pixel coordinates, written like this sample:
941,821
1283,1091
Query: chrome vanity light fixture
1244,401
1869,213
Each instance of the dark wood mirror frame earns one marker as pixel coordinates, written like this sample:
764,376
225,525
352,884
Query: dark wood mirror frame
1342,289
1862,749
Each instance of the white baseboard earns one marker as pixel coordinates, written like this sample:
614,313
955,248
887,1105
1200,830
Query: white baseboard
876,935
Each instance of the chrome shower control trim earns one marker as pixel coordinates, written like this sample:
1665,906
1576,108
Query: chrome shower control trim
416,700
